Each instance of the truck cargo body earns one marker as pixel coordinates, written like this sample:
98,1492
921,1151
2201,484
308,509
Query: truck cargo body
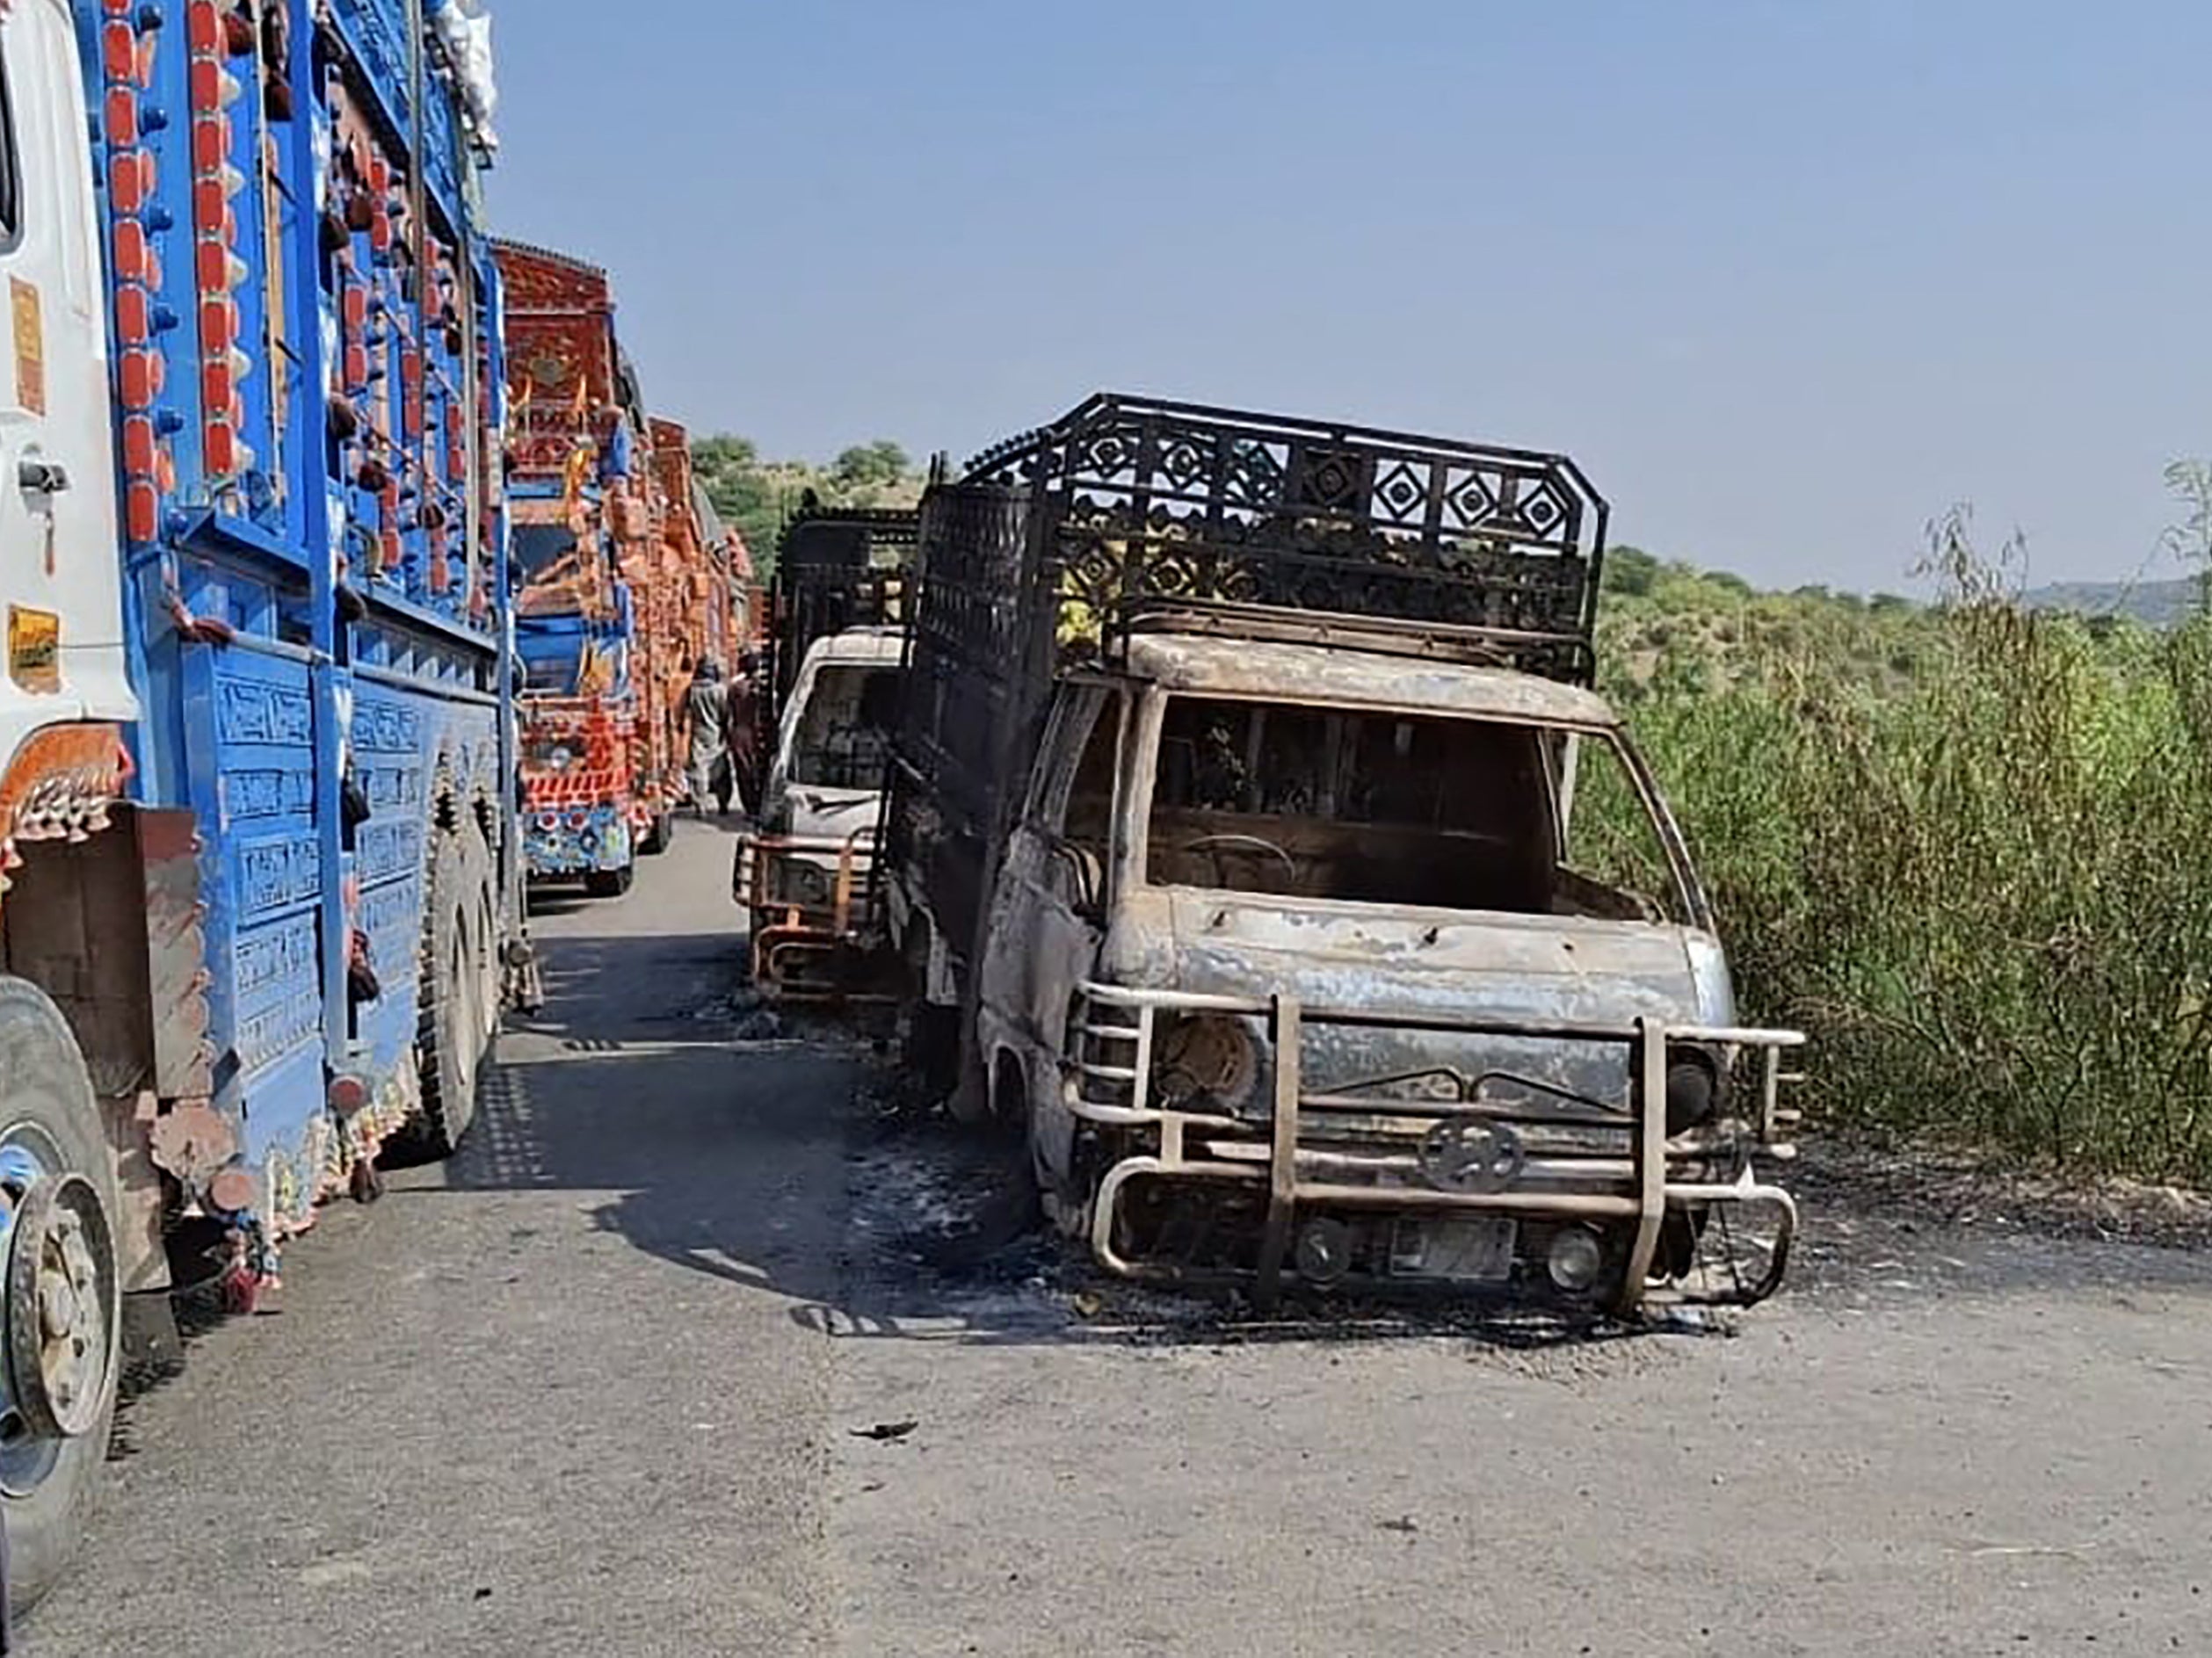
1257,847
581,507
255,751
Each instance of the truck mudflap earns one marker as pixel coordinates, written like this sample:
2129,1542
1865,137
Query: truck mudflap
1488,1182
813,912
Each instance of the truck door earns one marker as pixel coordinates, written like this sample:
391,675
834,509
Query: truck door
1047,921
60,575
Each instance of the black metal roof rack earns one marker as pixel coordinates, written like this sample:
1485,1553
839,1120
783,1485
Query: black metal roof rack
837,568
1164,512
854,538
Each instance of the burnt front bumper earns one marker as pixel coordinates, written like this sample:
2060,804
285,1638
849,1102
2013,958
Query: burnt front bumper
810,900
1472,1179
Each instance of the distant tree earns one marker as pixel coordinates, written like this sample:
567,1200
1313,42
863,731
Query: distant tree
758,495
870,468
1631,570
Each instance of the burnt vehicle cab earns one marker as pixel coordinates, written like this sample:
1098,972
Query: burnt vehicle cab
834,674
1349,946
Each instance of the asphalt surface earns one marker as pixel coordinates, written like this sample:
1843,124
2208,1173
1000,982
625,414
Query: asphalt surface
611,1382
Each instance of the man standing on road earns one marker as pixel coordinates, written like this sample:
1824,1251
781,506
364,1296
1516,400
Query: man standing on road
741,720
705,713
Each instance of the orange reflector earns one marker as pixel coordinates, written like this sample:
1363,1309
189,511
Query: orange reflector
123,185
141,512
135,380
130,252
138,447
134,316
118,51
122,118
203,27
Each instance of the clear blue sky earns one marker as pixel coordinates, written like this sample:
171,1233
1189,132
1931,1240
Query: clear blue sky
1790,279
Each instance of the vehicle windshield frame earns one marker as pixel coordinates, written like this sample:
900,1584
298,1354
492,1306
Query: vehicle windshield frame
1142,762
813,679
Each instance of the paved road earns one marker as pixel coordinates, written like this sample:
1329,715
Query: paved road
594,1389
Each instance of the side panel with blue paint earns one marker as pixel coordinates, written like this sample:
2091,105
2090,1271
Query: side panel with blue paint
429,766
250,723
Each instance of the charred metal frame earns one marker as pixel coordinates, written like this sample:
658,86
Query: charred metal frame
829,579
1131,514
1634,1189
798,948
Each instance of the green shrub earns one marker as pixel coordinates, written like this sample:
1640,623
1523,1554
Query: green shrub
1984,887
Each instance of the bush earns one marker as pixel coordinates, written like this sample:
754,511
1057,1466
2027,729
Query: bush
1984,891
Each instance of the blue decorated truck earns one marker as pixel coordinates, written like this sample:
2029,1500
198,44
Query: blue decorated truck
600,781
259,874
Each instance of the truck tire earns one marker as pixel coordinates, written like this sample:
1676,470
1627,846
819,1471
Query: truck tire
50,1127
449,1023
657,835
610,883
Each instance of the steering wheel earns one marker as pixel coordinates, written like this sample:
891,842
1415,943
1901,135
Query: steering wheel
1290,864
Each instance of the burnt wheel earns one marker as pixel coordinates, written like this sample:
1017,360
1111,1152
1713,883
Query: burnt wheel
63,1312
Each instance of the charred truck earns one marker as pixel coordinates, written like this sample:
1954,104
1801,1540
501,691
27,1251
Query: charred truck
257,876
1259,850
836,644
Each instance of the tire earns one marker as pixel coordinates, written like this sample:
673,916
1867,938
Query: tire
449,1025
657,835
48,1112
610,883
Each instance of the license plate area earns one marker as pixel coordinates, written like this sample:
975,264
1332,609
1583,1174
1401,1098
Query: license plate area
1462,1249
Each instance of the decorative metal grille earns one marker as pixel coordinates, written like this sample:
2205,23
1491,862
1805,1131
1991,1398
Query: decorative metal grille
1158,504
1128,513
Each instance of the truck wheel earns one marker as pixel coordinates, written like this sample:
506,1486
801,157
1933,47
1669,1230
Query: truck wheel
657,835
64,1311
610,883
449,1022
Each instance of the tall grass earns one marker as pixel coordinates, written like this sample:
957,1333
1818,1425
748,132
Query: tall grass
1986,894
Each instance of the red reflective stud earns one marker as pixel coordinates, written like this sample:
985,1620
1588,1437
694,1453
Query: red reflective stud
138,447
123,185
135,380
218,325
218,447
203,27
118,51
134,316
210,144
141,512
120,118
130,252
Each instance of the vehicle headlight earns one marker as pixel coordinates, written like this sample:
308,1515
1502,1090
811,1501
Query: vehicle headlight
1208,1060
800,880
1693,1089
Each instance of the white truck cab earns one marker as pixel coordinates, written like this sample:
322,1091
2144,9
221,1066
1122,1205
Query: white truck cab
61,601
834,741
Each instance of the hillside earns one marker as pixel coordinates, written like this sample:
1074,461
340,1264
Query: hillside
2154,604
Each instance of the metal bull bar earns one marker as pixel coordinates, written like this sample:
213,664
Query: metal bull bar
799,941
1629,1186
